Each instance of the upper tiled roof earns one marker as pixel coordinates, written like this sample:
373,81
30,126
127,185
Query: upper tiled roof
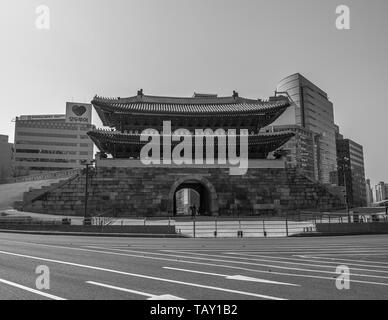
104,134
192,105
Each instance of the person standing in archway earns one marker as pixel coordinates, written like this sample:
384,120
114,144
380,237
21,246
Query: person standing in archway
193,210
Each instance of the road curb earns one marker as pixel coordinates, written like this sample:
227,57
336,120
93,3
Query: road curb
321,234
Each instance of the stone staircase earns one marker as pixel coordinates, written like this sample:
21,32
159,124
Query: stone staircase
36,194
324,193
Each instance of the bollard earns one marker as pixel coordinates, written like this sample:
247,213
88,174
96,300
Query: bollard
286,226
194,227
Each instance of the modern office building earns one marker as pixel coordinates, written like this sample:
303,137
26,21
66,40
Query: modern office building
369,193
5,158
313,111
53,142
301,150
351,172
381,191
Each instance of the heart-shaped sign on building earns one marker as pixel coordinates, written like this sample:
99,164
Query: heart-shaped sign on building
79,110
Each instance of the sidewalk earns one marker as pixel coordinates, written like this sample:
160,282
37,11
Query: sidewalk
76,220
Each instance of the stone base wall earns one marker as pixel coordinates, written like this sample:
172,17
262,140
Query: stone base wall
150,192
352,228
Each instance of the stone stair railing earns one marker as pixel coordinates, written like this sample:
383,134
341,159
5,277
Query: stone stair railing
45,176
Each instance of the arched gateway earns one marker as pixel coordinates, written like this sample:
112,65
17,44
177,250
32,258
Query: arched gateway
121,182
131,119
206,191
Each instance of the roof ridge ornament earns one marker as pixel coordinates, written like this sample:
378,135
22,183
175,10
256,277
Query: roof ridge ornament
235,94
140,93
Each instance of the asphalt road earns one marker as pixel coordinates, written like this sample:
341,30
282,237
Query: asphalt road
192,269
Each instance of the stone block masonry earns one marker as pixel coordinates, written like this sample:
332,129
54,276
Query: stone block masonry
150,191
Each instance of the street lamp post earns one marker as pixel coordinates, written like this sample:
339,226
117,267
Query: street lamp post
344,167
87,165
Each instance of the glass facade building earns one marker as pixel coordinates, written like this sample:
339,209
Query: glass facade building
350,157
5,158
313,111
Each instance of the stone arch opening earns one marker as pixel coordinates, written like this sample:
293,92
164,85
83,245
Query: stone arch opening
207,202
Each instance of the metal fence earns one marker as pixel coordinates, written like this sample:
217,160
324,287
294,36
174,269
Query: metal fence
212,227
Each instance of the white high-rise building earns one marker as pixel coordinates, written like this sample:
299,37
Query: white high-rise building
381,191
53,142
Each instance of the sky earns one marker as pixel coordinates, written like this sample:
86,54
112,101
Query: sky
178,47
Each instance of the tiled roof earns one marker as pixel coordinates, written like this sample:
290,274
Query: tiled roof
118,137
193,105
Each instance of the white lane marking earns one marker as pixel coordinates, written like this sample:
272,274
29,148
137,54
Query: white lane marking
41,293
339,259
234,277
316,251
143,276
219,260
227,247
366,253
300,262
206,264
140,293
226,266
242,262
248,246
263,250
308,259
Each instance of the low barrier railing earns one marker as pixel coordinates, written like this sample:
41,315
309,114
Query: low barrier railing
44,176
205,227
